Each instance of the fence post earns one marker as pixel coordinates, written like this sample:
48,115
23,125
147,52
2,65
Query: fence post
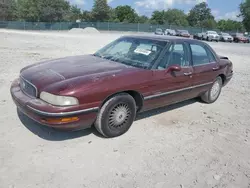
24,27
138,27
108,25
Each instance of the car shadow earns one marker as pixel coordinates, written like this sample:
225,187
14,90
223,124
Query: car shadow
51,134
164,109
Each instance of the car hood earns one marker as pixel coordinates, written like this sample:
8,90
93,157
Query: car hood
43,74
227,36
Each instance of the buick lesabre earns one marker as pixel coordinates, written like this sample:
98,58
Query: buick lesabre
109,88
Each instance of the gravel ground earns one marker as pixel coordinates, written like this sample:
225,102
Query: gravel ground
186,145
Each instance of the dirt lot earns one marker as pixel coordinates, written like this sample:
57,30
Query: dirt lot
187,145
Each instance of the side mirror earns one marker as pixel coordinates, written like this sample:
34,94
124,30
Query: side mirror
174,68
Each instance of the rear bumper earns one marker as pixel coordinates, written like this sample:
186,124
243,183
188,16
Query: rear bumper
228,78
52,116
243,40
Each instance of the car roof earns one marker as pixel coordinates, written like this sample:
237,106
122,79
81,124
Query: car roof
161,38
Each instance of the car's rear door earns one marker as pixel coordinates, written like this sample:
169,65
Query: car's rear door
170,87
205,68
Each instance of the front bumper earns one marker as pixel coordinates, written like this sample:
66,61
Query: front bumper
52,116
214,38
185,36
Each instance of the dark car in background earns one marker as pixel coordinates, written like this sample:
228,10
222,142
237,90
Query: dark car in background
159,31
183,33
239,37
109,88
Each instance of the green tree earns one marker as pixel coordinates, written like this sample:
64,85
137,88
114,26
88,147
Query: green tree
198,14
142,19
208,24
4,9
230,25
175,17
158,17
75,13
8,10
46,10
125,13
87,16
28,10
245,14
100,11
113,16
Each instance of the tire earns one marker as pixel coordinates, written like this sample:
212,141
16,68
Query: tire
110,110
208,97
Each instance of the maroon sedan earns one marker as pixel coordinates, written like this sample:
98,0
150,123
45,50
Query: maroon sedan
130,75
239,37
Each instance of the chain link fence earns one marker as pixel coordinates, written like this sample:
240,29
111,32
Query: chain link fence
102,26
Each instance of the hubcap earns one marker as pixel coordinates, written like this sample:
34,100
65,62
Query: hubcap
215,90
119,115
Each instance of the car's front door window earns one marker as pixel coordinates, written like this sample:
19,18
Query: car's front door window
176,55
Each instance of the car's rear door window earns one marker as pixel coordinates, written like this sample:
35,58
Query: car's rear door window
199,55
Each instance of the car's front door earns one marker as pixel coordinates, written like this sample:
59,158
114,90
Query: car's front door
205,68
168,87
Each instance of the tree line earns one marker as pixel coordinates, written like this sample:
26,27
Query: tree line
61,10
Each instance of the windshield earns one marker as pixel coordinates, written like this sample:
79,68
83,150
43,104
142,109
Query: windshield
212,32
184,31
159,30
240,34
136,52
225,34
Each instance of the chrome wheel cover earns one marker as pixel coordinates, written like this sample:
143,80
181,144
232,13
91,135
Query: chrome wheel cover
119,115
215,90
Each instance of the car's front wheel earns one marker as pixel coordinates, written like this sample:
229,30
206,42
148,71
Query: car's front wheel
116,115
214,92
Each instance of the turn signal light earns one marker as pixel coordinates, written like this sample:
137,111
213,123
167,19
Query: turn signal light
60,120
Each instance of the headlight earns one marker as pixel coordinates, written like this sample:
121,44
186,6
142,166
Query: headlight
58,100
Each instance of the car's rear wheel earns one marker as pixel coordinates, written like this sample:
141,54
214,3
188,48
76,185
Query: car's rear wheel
214,92
116,115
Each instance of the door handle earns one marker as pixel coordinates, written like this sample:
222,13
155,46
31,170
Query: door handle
188,73
215,68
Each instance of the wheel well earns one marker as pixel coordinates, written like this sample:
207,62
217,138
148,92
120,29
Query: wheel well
223,77
136,95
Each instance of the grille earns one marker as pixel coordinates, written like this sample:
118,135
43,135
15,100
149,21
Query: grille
28,88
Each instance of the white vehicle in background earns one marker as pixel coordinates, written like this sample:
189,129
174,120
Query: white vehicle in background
211,36
170,32
159,31
225,37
